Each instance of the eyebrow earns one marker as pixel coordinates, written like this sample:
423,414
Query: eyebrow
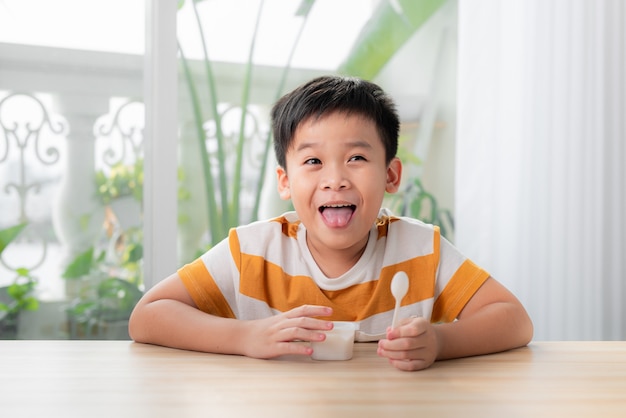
352,144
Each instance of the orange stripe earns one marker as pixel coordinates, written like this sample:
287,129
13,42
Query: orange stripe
284,292
289,229
204,290
382,224
436,243
460,289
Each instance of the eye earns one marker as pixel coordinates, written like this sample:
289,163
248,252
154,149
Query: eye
312,161
358,158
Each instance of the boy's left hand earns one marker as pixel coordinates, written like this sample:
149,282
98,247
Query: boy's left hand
412,345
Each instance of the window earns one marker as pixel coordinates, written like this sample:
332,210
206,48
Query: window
74,146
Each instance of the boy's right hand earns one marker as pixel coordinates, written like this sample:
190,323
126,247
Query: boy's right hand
280,334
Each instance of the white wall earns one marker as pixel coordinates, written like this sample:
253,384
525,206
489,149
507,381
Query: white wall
541,178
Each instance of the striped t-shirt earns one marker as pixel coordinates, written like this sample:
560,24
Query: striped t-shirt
265,268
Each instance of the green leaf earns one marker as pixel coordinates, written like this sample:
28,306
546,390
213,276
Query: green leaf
134,253
19,291
385,33
9,234
117,298
22,272
305,7
100,259
81,266
30,304
80,309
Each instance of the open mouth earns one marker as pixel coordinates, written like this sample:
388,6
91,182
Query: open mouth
337,215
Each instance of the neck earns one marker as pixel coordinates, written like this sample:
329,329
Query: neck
335,263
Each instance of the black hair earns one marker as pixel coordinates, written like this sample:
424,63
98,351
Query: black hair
328,94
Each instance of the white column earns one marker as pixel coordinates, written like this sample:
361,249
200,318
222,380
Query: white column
77,213
160,143
541,178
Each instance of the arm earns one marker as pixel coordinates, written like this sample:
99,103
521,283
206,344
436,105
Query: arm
166,315
493,320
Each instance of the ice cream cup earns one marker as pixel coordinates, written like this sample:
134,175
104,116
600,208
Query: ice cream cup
339,342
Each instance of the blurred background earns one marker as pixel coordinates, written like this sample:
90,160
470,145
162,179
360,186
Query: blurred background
134,134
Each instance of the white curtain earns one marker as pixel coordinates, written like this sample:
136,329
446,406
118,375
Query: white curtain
541,156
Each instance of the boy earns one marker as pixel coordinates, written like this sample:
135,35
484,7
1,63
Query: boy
272,284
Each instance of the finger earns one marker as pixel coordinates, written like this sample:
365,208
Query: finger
409,328
300,334
397,333
296,348
410,365
308,323
404,352
407,360
309,311
282,349
400,345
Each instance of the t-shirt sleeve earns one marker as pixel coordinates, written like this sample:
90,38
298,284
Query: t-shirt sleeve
209,281
458,279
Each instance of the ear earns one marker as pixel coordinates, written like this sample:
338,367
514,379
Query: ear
283,183
394,175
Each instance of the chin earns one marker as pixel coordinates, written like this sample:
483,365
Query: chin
344,240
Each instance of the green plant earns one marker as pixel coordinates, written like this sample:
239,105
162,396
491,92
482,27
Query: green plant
19,295
111,289
224,210
107,278
416,202
388,29
391,25
121,180
114,300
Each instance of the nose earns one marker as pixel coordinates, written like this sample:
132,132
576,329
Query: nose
334,178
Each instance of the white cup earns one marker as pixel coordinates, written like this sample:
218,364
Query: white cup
339,342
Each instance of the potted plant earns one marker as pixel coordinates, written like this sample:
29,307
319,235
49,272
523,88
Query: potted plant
108,292
121,191
17,296
104,282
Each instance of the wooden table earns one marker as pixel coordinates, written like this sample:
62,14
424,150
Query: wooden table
121,378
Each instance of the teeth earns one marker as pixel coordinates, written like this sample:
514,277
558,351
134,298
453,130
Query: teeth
337,206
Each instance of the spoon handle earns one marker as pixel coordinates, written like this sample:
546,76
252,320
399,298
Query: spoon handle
395,315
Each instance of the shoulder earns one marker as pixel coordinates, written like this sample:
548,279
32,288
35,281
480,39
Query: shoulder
397,227
287,223
407,236
260,234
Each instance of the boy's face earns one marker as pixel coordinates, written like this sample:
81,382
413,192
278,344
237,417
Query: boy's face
336,178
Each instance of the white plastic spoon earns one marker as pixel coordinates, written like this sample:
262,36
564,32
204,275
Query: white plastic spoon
399,287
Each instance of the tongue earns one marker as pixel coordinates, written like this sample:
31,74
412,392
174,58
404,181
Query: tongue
337,217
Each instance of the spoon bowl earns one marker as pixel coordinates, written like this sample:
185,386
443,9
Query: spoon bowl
399,287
